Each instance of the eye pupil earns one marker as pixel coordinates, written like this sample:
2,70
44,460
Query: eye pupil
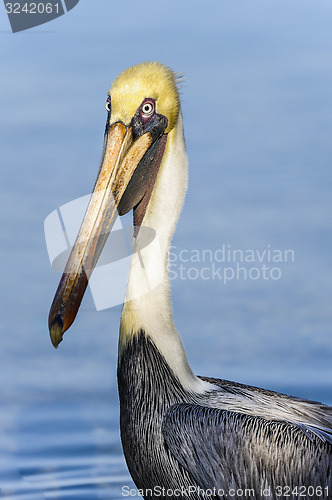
108,104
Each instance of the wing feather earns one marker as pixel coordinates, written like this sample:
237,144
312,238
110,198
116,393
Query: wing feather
224,449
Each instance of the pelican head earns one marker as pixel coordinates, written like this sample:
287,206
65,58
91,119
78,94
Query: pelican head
143,111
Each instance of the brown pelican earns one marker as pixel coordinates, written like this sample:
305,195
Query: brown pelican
182,435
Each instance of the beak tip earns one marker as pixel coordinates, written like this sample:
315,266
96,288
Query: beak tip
56,332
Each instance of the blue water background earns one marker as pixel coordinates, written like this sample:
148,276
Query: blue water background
257,104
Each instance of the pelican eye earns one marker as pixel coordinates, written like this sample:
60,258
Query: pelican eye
108,104
147,109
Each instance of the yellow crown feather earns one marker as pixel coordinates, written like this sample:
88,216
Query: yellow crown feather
148,79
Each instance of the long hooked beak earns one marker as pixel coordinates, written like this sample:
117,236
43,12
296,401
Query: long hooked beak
122,155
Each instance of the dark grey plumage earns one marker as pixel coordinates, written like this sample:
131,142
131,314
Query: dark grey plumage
244,452
233,437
